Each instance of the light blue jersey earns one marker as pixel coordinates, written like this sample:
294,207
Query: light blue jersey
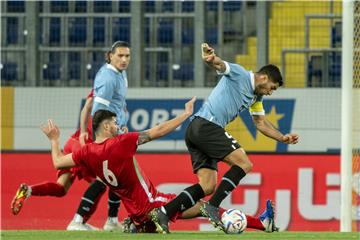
110,88
233,93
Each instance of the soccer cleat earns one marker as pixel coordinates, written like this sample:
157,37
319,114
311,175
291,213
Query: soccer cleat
112,225
161,221
267,218
129,226
212,213
75,226
20,196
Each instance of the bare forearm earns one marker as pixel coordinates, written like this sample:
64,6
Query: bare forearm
168,126
218,64
269,130
56,153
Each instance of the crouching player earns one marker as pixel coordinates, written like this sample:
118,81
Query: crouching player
111,159
66,177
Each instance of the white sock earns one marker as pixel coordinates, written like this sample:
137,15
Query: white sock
163,209
29,191
78,219
113,219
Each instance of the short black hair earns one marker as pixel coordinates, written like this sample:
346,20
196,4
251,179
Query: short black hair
100,116
273,73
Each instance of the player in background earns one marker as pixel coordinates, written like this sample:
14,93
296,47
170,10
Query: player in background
209,143
110,88
111,158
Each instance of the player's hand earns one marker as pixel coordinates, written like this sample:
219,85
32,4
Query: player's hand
84,136
124,129
51,130
207,53
189,106
290,138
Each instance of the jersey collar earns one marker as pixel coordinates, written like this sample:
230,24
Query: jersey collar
112,68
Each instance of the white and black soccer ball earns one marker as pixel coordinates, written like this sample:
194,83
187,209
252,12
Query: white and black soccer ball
234,221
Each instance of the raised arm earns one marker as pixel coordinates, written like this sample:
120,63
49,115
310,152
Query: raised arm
210,58
168,126
59,159
84,119
266,128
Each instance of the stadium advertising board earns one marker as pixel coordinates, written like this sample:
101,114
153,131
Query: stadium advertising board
312,113
305,189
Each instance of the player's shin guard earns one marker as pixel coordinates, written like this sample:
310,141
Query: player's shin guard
48,189
90,199
185,200
229,181
114,204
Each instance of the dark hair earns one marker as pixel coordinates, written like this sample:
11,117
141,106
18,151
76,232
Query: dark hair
100,116
117,44
273,73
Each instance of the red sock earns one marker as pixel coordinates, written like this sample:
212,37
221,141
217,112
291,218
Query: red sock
254,223
48,189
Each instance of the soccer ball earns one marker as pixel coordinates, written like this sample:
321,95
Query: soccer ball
234,221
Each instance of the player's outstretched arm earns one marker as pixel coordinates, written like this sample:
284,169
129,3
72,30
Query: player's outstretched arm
59,159
266,128
168,126
210,58
84,119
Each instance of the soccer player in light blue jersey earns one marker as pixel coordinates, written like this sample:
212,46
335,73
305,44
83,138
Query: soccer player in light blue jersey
110,88
209,143
110,85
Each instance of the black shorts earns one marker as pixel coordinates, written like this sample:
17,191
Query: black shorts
208,143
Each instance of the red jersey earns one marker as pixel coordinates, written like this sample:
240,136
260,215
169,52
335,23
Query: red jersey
114,163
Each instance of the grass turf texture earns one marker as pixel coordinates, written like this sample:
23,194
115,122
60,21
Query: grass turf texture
57,235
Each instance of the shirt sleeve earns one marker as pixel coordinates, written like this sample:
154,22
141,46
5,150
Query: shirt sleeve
227,69
105,85
257,107
130,141
78,155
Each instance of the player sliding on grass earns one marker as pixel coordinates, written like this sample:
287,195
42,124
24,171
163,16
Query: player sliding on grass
209,143
66,176
111,159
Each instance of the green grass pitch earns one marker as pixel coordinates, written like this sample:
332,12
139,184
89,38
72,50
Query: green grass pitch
57,235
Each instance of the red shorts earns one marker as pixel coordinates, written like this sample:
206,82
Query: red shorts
144,224
70,146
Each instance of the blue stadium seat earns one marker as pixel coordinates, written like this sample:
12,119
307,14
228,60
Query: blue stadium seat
54,33
9,72
188,6
102,6
95,66
187,34
149,6
77,31
166,32
232,6
167,6
121,30
185,72
52,72
74,70
12,26
211,35
99,30
15,6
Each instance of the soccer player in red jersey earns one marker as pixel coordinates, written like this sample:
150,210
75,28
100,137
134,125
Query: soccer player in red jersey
111,159
66,176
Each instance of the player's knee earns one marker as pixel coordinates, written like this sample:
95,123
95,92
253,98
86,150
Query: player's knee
209,188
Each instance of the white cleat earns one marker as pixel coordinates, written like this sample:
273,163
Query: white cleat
112,225
74,226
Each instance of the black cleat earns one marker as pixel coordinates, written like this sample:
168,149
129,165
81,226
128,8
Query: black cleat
161,221
129,226
212,213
